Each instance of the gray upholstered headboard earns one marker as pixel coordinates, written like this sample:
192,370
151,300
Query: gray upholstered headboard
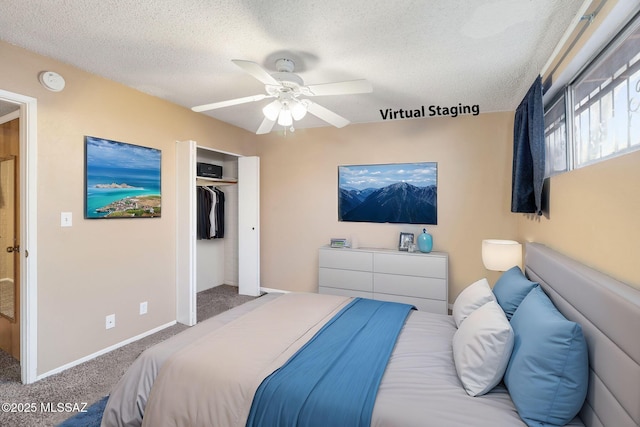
609,312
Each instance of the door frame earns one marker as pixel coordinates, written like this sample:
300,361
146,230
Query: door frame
186,227
28,233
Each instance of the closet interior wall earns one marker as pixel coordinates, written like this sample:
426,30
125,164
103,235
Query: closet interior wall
217,259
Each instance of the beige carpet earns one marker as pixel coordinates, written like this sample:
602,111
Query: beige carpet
92,380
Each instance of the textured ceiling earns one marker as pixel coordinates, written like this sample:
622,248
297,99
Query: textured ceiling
414,53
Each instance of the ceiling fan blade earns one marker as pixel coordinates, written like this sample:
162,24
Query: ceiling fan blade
265,126
326,115
221,104
256,71
340,88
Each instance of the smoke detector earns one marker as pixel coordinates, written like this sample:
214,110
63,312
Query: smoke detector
51,80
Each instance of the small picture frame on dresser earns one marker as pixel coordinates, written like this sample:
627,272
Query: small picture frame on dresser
406,240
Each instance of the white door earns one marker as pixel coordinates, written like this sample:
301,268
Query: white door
186,309
249,226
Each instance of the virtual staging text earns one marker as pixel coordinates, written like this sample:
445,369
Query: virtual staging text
431,111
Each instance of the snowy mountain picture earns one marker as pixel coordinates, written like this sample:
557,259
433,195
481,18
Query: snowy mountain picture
405,193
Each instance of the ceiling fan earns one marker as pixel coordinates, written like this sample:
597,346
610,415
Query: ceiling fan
290,94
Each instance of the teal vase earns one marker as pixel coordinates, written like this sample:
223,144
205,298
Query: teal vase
425,241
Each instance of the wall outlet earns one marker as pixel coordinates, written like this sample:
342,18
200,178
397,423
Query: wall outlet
110,321
143,307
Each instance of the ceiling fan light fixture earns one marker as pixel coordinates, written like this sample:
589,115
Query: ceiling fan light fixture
286,87
272,110
285,119
298,111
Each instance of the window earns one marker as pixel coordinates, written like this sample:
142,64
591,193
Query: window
555,138
603,106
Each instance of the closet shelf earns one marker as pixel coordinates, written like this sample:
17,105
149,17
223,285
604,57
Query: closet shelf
201,180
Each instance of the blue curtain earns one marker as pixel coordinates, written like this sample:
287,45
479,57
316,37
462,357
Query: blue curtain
528,152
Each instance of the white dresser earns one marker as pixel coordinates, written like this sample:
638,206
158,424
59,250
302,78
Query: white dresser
384,274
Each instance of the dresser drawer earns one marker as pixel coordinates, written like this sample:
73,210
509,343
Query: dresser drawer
345,292
346,259
346,279
411,265
421,287
422,304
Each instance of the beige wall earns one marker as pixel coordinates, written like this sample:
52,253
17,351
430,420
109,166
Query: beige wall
99,267
299,192
594,217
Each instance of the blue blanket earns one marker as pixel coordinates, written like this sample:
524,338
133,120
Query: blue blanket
333,379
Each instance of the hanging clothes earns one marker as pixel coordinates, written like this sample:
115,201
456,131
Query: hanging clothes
210,213
219,213
203,207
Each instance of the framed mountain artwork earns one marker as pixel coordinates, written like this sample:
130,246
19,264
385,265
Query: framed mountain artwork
405,193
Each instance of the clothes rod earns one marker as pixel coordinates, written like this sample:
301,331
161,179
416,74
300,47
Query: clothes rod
209,182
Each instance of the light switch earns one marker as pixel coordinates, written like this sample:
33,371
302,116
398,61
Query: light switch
65,219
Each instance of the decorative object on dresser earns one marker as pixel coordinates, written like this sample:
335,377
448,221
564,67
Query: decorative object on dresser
501,255
425,241
384,274
406,240
339,243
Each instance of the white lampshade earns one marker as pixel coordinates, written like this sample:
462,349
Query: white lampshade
284,119
501,255
298,110
272,109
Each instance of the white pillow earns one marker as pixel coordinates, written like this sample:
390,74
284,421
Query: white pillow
470,299
482,347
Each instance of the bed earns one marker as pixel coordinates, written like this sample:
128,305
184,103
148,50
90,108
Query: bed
209,374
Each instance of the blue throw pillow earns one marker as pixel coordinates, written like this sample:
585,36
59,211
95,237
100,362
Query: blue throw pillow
511,289
548,373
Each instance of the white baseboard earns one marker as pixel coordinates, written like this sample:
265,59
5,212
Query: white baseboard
270,290
104,351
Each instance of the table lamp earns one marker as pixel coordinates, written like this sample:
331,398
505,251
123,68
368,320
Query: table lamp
501,255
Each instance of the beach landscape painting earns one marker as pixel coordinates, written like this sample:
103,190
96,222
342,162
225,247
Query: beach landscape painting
405,193
121,180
